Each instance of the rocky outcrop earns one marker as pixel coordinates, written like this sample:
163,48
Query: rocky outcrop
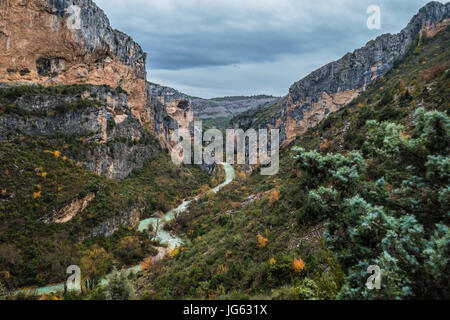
99,118
70,211
54,42
69,79
130,218
331,87
273,117
170,112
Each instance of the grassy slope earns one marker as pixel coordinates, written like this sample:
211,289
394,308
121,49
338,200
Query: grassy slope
249,252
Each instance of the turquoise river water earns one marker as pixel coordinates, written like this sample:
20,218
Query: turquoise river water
165,238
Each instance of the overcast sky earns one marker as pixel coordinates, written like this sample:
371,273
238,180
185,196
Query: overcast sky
211,48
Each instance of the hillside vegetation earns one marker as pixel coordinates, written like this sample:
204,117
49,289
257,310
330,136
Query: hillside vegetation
368,186
41,174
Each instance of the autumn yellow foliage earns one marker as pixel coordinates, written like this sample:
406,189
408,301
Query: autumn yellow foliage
145,265
274,196
405,135
48,297
174,252
56,153
221,269
299,265
42,174
262,241
325,144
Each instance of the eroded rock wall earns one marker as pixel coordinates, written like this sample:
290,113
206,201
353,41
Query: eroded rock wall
98,117
69,211
54,42
333,86
130,218
170,112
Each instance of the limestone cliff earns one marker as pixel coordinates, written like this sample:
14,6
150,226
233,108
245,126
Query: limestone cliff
98,118
71,82
53,42
331,87
60,42
69,211
171,111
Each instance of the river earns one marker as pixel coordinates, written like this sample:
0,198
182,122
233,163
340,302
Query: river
165,238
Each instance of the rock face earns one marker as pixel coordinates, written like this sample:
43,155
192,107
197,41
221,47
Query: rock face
233,106
331,87
69,41
170,112
60,42
92,93
130,218
98,116
71,210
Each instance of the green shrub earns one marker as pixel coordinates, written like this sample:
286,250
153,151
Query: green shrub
305,290
119,288
405,232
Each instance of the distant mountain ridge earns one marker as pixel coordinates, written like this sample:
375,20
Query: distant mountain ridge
221,107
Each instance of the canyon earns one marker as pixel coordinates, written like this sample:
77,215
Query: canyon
52,51
124,119
71,42
87,140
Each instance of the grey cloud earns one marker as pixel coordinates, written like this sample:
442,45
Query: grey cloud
189,41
